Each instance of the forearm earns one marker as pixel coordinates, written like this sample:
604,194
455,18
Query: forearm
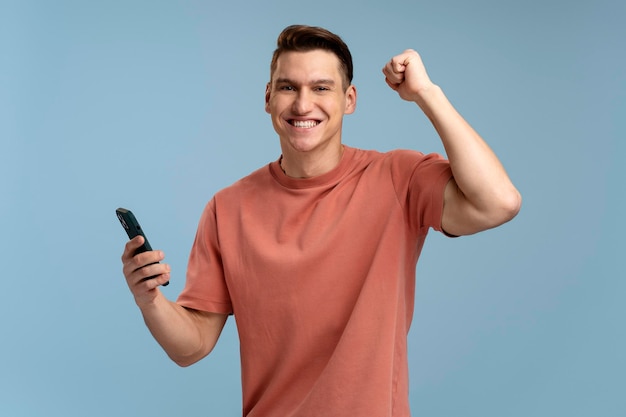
477,171
480,195
185,335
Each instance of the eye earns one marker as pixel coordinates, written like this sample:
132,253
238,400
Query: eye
285,88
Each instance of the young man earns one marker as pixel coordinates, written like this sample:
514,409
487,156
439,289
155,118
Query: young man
315,253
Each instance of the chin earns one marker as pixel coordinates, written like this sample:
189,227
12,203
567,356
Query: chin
303,145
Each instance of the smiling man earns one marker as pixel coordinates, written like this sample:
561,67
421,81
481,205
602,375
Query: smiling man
315,253
307,98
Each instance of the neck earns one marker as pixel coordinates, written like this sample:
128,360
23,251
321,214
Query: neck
310,164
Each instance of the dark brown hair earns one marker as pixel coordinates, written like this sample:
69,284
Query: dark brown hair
301,38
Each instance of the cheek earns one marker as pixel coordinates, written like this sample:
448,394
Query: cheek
336,108
274,106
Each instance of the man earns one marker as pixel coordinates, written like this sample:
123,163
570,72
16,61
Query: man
315,253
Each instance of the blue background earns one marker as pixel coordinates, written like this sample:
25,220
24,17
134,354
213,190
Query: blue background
156,105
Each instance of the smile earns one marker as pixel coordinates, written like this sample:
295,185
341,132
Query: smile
306,124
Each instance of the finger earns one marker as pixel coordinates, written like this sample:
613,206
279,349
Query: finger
151,282
161,280
139,261
158,272
146,290
393,86
392,76
394,69
131,246
398,64
152,270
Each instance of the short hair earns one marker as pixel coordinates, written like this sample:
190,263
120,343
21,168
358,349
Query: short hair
302,38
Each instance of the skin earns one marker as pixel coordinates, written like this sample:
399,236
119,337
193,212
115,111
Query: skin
186,335
308,88
480,196
307,101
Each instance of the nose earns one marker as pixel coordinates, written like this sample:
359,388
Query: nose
303,102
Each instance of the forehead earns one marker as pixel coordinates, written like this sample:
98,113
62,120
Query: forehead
315,64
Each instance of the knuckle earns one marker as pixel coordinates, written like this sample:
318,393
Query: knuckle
135,262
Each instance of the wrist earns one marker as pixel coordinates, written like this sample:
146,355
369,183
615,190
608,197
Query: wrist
150,302
428,96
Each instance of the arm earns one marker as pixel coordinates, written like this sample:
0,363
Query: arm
480,195
186,335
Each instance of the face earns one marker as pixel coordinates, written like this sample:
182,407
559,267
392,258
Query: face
307,101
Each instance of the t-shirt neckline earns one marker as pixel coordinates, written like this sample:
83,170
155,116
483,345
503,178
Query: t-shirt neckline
330,177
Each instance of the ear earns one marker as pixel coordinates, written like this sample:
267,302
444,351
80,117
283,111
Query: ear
350,100
268,89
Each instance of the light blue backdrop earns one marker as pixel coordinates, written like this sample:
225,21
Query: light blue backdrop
156,105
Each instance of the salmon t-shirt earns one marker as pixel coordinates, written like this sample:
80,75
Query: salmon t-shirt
319,274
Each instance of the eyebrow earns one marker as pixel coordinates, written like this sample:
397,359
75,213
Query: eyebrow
327,81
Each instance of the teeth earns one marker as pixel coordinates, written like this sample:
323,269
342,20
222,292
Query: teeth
305,123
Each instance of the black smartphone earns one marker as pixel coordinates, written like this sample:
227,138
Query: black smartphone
131,225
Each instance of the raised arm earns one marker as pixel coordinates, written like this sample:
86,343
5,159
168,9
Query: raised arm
186,335
480,195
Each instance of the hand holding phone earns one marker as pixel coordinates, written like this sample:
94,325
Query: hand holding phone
131,225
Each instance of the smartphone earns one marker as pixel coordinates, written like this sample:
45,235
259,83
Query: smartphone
131,225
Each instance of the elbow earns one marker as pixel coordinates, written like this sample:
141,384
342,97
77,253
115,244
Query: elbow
183,364
185,361
188,358
209,327
483,212
500,210
509,206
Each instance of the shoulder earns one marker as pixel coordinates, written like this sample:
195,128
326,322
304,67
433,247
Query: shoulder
412,157
254,180
410,171
401,160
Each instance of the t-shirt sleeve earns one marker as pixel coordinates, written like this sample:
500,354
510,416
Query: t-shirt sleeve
420,183
205,288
